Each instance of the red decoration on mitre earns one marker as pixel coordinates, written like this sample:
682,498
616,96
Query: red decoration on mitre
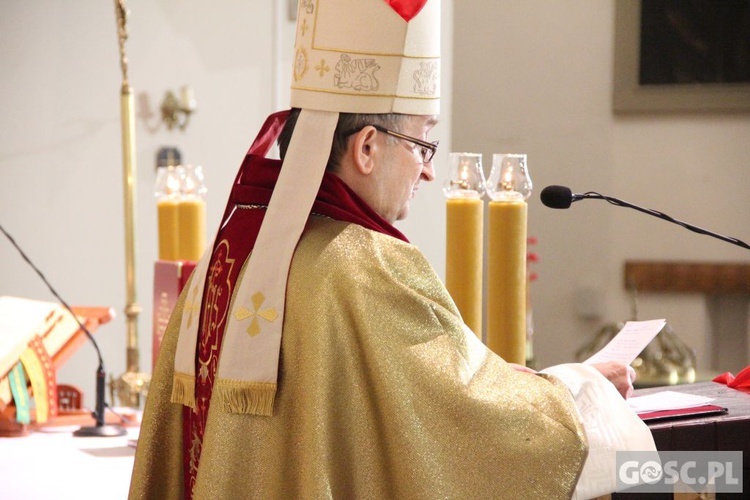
407,9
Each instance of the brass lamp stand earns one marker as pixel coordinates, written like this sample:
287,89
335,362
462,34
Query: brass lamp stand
132,384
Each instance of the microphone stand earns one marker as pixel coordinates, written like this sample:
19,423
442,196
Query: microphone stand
660,215
100,429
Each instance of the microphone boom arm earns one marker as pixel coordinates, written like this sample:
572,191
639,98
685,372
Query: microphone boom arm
660,215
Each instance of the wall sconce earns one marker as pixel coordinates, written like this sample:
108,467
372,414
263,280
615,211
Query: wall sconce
176,112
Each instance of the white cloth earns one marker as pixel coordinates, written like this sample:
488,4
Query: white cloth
610,426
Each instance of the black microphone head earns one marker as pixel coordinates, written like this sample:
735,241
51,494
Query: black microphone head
557,196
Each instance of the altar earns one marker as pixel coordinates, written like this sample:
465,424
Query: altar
728,432
51,463
54,464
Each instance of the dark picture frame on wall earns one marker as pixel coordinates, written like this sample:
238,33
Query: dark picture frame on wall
682,56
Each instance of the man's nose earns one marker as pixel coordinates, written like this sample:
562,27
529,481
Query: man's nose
428,171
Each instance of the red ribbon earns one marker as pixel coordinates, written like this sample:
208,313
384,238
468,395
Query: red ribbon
741,382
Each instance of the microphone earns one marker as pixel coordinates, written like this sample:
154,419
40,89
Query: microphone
100,429
562,197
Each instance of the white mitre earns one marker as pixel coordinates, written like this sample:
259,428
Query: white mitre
371,56
351,56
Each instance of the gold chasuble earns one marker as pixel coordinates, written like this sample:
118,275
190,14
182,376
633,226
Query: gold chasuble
382,394
382,391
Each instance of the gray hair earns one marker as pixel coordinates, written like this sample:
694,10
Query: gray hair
348,123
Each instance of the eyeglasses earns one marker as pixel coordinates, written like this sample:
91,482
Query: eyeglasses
426,150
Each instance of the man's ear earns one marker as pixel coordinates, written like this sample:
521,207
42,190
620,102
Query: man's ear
364,150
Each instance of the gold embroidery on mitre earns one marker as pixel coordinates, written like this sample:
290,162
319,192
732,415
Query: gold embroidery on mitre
308,6
425,78
357,74
322,68
191,305
304,27
382,94
300,64
242,313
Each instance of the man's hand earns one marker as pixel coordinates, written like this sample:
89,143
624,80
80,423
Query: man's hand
522,368
621,375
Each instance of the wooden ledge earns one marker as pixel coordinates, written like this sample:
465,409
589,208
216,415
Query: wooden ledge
688,277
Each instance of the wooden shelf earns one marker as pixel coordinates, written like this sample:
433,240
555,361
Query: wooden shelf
688,277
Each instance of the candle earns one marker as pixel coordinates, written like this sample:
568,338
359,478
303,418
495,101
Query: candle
463,267
167,216
506,275
191,228
191,234
509,186
182,228
181,212
464,227
168,192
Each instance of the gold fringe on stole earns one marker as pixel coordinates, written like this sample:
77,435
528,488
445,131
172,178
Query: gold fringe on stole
249,398
183,389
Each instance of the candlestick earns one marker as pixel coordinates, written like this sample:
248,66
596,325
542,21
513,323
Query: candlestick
464,230
132,309
132,382
509,186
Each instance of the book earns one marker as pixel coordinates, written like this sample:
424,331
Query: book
669,404
692,412
21,321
